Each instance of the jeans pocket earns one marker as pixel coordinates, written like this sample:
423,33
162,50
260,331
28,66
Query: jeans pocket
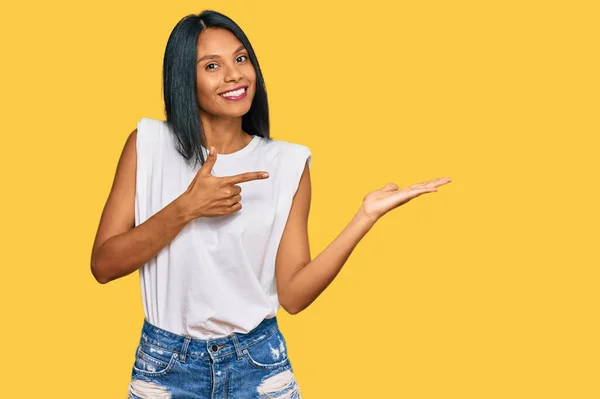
152,360
268,353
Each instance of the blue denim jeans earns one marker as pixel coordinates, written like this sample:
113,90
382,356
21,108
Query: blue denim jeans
253,365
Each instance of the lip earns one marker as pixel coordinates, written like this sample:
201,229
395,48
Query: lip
236,98
234,89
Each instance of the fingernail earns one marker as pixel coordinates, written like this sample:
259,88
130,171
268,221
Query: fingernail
265,174
212,150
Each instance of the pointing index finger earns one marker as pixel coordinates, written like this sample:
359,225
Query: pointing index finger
244,177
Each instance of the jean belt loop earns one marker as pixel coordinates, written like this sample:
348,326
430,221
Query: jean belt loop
236,344
184,348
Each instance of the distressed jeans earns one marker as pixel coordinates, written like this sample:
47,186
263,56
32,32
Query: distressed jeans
248,366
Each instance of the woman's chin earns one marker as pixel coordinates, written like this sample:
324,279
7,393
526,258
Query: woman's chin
235,114
233,111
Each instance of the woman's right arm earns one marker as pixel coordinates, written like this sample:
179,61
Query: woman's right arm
120,247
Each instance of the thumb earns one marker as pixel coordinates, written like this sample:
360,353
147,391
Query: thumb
210,161
390,187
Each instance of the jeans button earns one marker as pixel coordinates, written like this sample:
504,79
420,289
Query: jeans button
214,348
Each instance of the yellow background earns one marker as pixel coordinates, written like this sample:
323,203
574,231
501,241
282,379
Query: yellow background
485,289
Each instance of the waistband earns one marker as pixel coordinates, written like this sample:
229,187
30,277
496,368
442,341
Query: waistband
234,343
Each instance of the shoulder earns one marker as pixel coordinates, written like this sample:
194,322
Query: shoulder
289,160
150,122
150,129
286,149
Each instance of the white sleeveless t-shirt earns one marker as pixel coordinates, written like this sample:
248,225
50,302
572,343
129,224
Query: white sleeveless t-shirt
217,276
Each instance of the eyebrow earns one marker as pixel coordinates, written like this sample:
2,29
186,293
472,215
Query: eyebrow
216,56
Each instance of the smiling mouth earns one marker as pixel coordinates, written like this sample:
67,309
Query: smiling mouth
235,93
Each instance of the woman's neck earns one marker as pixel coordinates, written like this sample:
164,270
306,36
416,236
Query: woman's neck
225,134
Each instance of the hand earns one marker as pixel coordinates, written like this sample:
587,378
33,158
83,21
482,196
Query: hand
209,196
379,202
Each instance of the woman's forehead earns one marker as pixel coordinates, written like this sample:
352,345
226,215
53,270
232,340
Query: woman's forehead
214,41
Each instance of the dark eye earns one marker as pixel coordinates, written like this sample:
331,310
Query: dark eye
242,56
208,66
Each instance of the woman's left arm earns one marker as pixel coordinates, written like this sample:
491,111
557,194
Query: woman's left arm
301,280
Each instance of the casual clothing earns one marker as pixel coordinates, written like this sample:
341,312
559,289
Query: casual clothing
218,275
210,296
239,366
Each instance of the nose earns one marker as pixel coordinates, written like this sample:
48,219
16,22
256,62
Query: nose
232,73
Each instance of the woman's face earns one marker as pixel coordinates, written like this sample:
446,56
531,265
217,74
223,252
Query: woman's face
223,65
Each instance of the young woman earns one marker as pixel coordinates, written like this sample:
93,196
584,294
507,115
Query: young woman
213,273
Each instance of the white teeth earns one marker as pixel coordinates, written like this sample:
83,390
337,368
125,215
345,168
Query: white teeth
234,93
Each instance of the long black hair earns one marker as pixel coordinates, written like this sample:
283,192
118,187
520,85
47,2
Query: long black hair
179,85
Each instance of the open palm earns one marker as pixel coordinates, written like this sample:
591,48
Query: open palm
377,203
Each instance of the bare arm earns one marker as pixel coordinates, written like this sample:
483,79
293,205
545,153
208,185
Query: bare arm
299,280
120,248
